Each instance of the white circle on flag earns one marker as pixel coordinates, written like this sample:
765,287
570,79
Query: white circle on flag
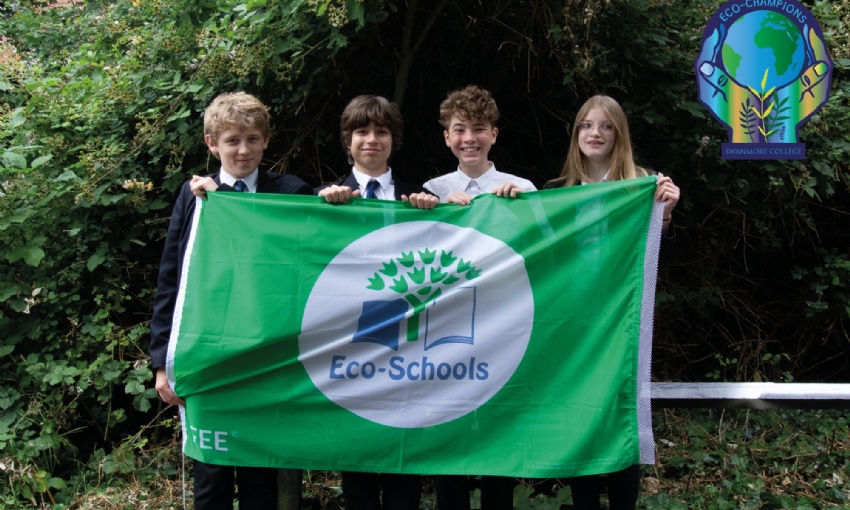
363,349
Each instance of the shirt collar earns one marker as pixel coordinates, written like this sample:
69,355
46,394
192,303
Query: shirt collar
384,180
250,181
484,181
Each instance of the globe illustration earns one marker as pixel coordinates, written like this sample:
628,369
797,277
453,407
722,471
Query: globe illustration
764,40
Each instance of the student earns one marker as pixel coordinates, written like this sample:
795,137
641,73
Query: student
371,129
236,130
601,150
469,117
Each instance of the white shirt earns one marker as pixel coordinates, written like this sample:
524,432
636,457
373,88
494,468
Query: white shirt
445,185
386,188
250,181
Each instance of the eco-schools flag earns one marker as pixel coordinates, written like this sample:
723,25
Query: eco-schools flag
500,338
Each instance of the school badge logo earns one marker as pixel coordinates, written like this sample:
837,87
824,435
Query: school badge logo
763,71
421,350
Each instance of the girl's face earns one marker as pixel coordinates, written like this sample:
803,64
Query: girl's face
597,135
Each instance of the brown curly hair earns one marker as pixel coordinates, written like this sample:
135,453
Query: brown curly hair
469,103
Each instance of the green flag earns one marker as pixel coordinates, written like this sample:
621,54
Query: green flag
507,337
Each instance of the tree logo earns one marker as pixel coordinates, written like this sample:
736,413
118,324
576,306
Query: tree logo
763,71
420,277
425,314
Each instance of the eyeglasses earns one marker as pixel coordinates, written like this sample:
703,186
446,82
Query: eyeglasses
605,128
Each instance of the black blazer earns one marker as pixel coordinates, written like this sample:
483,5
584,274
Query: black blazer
401,187
171,264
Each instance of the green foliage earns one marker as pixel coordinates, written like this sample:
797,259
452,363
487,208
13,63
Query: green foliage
100,123
749,459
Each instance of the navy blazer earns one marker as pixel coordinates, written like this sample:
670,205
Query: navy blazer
401,187
171,265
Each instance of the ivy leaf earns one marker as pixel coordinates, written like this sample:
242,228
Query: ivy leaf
111,370
37,162
33,256
18,118
134,388
95,260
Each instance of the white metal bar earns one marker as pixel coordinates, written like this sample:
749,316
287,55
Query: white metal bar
751,395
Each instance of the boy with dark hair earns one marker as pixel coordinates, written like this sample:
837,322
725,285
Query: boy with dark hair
371,128
237,131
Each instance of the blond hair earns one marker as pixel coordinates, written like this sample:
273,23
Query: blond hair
622,156
236,110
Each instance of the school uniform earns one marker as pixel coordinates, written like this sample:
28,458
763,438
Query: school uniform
377,491
213,484
445,185
390,188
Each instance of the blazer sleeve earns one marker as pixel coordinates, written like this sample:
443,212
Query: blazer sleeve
348,180
168,280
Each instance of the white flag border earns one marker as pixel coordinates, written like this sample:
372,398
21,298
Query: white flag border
177,317
644,369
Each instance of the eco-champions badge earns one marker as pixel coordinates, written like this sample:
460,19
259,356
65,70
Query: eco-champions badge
442,323
763,71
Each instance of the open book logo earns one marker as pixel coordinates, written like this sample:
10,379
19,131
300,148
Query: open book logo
439,286
414,324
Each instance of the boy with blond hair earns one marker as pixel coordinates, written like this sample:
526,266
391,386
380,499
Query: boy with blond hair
237,131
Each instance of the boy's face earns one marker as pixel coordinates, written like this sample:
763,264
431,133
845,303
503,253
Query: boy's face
370,148
470,141
240,150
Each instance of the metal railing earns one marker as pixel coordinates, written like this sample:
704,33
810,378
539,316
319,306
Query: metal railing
731,395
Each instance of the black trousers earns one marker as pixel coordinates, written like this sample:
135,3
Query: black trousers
377,491
214,487
623,489
497,492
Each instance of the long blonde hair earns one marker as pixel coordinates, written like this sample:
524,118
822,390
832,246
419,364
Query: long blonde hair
622,157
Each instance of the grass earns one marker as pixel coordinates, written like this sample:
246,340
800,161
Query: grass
706,459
